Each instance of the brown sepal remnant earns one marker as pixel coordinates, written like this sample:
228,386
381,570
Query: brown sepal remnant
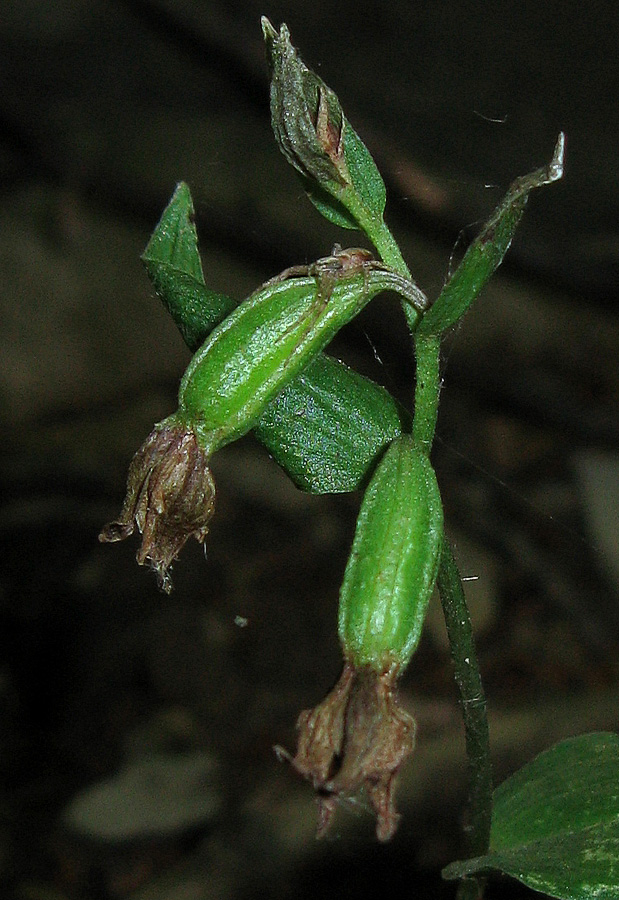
170,498
330,133
358,737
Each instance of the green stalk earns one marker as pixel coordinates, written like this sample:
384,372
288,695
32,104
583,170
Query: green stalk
427,388
427,347
457,619
388,249
386,244
473,703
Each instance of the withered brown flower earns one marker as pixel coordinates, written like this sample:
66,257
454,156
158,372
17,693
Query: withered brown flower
307,117
170,498
358,737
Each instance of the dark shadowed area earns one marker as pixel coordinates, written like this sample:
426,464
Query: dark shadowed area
136,747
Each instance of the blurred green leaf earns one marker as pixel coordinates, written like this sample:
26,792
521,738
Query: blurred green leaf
174,240
328,206
366,190
366,180
555,824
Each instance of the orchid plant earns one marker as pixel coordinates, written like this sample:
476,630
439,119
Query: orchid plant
259,365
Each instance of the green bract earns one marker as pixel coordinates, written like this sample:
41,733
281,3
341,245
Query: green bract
173,264
394,560
271,337
486,252
329,426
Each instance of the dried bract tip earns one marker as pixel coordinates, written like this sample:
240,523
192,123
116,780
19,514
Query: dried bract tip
555,167
358,737
170,498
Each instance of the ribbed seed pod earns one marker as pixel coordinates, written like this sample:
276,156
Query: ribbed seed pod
394,560
359,736
272,336
251,356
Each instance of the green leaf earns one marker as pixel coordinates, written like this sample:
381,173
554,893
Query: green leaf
328,206
366,190
174,240
364,175
329,426
555,824
486,253
173,264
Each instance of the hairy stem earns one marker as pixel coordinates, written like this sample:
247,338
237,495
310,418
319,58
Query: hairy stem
468,679
426,347
473,702
427,387
389,252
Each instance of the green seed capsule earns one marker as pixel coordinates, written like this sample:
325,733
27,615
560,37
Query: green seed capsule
273,335
394,560
242,365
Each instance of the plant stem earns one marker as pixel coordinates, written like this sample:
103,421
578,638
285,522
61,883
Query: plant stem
388,248
427,387
427,347
391,255
457,619
473,702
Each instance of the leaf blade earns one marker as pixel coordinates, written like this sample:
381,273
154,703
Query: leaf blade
173,264
556,822
329,426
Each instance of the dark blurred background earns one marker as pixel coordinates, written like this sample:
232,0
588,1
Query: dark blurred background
137,728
